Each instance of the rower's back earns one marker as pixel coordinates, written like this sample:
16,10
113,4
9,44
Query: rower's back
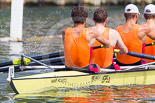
131,40
76,48
104,56
129,35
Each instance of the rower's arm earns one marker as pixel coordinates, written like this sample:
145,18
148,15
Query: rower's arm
151,35
102,40
145,31
120,44
92,35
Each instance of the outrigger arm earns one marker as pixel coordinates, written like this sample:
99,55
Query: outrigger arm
10,73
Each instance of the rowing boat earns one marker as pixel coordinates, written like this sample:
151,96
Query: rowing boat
80,79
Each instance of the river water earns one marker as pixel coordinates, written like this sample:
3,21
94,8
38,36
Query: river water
41,33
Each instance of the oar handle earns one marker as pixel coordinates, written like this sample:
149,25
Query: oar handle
96,47
116,50
100,46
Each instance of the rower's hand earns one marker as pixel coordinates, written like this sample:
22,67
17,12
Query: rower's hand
123,50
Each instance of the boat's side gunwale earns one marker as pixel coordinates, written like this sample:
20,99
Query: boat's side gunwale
142,70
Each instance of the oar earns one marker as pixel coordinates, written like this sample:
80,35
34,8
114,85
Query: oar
59,61
140,55
47,56
41,57
97,47
102,46
150,44
52,61
27,61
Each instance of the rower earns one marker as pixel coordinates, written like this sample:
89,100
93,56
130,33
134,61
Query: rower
104,56
134,35
77,42
129,35
149,29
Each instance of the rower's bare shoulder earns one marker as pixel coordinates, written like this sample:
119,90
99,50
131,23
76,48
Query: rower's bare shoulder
113,32
144,27
92,31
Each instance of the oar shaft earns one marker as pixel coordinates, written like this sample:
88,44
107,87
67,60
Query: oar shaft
41,57
6,63
139,55
150,44
145,56
52,61
5,69
97,47
47,56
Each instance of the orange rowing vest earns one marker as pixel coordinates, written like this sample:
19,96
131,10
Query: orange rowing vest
102,56
133,44
150,50
76,49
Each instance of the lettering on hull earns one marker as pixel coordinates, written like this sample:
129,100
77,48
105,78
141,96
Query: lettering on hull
106,79
67,82
90,81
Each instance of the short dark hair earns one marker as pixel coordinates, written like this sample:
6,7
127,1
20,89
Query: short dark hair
129,15
79,14
100,15
149,16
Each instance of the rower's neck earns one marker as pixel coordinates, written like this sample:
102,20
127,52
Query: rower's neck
100,24
131,22
79,25
150,22
128,25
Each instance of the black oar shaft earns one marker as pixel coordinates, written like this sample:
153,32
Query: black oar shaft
41,57
145,56
97,47
5,63
141,55
47,56
148,44
57,61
